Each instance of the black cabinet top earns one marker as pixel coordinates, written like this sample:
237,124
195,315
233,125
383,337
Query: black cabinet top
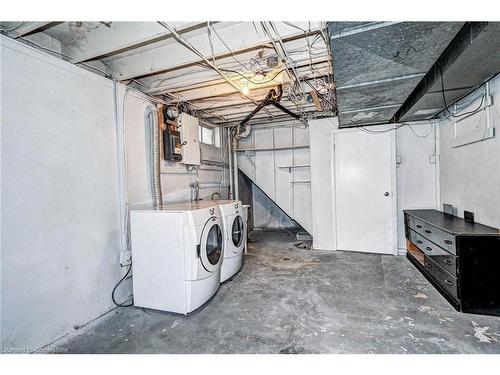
452,224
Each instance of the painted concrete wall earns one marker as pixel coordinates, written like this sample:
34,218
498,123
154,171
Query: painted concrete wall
175,177
62,237
416,177
470,174
323,182
288,188
60,208
417,172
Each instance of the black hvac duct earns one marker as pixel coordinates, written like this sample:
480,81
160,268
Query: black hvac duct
471,59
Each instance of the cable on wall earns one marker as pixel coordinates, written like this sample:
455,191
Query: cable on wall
447,108
122,304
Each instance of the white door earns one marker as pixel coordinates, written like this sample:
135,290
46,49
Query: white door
364,183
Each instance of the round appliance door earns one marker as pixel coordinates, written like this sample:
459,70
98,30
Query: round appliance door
237,233
211,245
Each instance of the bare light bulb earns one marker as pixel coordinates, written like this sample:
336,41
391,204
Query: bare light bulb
244,88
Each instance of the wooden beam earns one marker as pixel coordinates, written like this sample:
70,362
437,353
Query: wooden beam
167,58
20,29
117,40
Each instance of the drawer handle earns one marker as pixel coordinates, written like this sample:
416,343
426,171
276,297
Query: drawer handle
419,242
428,231
428,248
448,282
448,242
449,262
419,226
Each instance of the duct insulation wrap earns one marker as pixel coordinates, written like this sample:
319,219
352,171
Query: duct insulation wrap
155,155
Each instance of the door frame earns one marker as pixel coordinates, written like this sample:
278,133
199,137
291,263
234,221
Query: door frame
394,203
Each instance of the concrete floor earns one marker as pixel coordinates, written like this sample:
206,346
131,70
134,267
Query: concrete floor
287,300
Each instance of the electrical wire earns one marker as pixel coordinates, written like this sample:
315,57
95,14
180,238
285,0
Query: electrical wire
123,304
225,45
479,108
210,41
396,128
250,80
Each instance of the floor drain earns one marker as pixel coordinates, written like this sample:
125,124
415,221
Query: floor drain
303,245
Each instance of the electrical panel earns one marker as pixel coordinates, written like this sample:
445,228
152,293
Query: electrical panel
190,143
172,149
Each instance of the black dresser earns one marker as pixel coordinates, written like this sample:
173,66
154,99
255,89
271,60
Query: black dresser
461,259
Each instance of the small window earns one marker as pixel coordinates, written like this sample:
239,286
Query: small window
217,137
209,135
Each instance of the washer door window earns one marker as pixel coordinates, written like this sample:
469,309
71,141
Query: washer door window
237,231
211,245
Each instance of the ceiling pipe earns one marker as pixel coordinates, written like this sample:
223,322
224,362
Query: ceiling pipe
188,45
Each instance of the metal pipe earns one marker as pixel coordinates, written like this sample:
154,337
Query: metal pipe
229,154
261,105
188,45
287,111
235,178
289,63
155,155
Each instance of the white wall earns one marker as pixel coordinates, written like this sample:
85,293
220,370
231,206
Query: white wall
61,185
417,172
175,177
416,176
323,182
60,207
289,189
470,174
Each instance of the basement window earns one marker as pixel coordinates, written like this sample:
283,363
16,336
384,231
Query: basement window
209,135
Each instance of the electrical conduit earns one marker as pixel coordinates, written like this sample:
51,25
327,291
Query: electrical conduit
155,155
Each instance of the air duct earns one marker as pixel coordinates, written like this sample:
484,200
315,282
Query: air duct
155,155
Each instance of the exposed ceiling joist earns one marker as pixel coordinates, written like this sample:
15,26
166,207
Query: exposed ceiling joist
190,47
201,76
20,29
116,41
35,27
223,89
240,37
204,64
275,77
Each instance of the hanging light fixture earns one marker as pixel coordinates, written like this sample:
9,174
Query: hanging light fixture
244,87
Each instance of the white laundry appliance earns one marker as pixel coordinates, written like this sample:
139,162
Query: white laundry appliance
235,232
177,251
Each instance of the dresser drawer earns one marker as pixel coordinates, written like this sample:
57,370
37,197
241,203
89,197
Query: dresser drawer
437,254
443,278
439,237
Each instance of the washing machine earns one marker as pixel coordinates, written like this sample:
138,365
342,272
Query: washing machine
177,252
235,232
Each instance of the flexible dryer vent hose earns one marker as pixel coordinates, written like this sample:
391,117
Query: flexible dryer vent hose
154,133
